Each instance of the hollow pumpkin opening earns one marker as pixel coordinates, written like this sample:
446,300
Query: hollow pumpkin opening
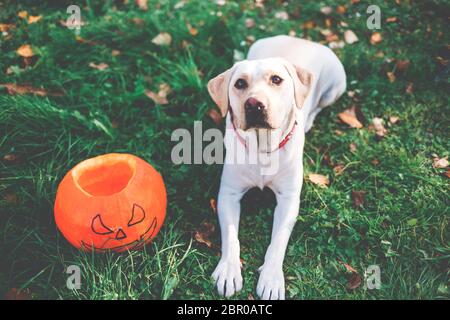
104,175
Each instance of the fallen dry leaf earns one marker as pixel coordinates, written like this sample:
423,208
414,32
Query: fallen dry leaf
391,19
162,39
11,157
25,51
142,4
358,198
213,204
393,119
16,294
350,37
341,9
402,65
442,61
327,10
410,88
447,173
161,96
319,179
380,130
22,14
11,198
25,89
215,116
339,169
282,15
101,66
193,31
33,19
115,53
375,38
353,147
354,280
440,163
4,27
249,23
309,25
204,231
391,76
348,116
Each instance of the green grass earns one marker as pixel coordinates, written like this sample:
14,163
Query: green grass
402,226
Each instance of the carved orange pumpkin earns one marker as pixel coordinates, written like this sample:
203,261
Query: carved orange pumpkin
111,202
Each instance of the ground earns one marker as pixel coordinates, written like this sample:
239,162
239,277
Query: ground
397,71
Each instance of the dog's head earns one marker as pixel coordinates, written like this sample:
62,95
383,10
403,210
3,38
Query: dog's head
261,93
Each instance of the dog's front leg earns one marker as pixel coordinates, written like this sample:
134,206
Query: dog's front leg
271,279
228,272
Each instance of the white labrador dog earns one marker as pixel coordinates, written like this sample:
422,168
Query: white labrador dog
281,87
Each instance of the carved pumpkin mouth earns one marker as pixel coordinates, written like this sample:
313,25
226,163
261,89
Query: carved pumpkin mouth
105,176
136,244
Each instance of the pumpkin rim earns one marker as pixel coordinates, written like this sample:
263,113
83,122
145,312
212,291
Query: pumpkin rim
95,162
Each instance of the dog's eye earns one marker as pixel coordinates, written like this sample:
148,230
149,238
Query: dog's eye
240,84
276,80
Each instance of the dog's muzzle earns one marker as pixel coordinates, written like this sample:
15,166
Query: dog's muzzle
255,114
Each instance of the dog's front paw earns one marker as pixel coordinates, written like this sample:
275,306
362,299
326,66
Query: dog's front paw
271,283
228,277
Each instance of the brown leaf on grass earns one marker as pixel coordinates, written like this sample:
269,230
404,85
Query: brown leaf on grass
309,25
349,117
161,96
193,31
115,53
327,10
4,27
447,173
391,19
282,15
215,116
22,14
25,89
204,231
86,41
358,198
376,38
380,130
33,19
16,294
393,119
142,4
249,23
442,61
10,157
350,37
354,280
213,204
409,88
25,51
375,162
341,9
319,179
11,198
101,66
391,76
440,163
402,65
162,39
353,147
338,169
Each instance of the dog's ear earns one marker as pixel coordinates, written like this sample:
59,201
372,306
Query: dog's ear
218,90
302,82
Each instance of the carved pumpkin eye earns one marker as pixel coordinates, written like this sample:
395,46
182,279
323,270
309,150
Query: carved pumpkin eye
99,227
137,215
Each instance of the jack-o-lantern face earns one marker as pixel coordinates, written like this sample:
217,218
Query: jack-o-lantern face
111,202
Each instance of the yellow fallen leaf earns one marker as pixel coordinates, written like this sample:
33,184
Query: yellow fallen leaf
22,14
349,117
440,163
101,66
142,4
193,31
162,39
376,38
4,27
25,51
391,76
350,37
319,179
33,19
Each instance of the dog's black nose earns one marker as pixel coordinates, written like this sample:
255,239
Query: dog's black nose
254,105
